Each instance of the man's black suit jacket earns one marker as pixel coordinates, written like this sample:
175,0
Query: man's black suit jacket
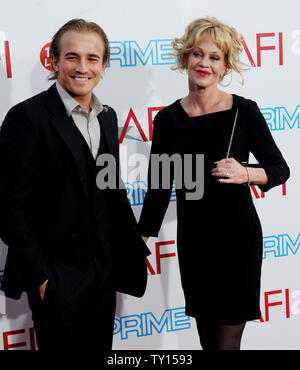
43,189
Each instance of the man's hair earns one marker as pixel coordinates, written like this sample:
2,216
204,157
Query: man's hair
78,25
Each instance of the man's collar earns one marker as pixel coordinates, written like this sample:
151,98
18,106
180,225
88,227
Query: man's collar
70,103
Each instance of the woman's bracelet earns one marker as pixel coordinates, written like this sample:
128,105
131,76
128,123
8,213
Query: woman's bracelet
248,184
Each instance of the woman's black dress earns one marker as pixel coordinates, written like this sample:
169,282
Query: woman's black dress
219,237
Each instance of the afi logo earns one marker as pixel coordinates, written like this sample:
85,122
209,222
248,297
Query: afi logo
5,54
45,57
131,117
289,302
265,42
159,256
256,194
19,338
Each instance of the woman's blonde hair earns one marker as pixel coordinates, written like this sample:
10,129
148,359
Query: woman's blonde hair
225,37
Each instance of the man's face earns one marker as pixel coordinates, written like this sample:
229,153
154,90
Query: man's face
80,65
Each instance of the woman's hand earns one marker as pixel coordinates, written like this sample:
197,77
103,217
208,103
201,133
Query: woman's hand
230,171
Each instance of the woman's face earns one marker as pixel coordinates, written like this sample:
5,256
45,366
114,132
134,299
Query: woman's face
205,64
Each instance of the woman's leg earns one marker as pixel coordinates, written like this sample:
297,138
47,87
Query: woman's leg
208,333
219,337
229,336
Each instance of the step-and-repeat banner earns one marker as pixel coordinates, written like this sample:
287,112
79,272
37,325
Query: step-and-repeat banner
138,83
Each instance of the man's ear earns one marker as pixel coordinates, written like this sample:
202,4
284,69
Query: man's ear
53,63
104,65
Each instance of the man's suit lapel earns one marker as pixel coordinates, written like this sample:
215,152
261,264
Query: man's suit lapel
67,130
109,129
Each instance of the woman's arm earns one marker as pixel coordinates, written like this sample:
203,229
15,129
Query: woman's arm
232,172
272,169
156,201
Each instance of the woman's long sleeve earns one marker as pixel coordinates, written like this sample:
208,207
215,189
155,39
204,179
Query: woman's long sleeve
265,150
156,200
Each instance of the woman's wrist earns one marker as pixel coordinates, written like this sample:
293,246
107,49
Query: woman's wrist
248,180
257,176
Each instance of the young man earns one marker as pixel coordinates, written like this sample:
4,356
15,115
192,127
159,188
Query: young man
71,244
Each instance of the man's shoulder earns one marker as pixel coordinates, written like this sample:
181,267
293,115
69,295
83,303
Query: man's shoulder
30,105
108,114
108,110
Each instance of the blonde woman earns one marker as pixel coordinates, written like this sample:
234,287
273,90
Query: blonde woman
219,237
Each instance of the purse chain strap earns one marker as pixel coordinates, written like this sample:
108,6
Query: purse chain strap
232,132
